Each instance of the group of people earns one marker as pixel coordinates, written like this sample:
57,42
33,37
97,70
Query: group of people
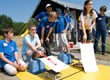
40,38
90,20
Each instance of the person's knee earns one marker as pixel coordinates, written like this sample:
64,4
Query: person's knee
10,69
13,72
22,68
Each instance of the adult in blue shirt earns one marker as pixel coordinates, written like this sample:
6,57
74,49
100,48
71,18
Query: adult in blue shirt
101,28
44,14
67,25
61,40
9,59
45,28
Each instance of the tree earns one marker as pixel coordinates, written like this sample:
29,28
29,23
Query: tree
5,21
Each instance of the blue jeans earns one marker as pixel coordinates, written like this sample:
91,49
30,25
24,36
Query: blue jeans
101,33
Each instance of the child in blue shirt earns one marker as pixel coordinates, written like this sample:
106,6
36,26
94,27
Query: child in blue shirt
44,29
101,28
61,40
9,59
67,25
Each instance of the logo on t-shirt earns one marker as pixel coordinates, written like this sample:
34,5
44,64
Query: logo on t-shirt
12,48
5,44
47,26
99,18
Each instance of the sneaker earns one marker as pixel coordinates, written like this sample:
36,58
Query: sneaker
105,54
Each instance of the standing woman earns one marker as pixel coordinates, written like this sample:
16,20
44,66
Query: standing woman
88,19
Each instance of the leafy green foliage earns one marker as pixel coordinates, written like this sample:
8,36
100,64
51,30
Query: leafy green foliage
5,21
19,27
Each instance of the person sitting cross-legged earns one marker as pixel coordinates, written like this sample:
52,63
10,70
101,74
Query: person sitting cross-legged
9,58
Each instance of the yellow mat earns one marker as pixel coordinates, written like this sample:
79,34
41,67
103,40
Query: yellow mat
102,74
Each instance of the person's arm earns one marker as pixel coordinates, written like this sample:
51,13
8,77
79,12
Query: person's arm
38,17
33,48
93,24
50,30
38,42
42,35
7,61
71,26
67,17
66,27
107,21
83,27
17,58
84,31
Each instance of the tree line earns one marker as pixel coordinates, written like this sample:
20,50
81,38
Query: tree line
19,27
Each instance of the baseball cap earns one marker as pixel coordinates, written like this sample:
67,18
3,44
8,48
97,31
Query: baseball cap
48,5
58,10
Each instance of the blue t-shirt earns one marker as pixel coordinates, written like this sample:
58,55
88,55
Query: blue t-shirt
41,15
101,22
66,20
28,39
46,24
59,25
8,49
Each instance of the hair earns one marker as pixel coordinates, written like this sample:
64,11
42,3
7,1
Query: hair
30,26
104,8
53,14
6,30
85,10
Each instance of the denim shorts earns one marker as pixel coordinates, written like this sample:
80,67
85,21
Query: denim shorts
89,35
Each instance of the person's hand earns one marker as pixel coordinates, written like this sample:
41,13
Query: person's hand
47,39
39,53
18,63
90,30
29,52
41,41
71,29
84,37
64,30
15,65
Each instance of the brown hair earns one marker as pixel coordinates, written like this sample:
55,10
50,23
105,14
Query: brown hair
85,10
6,30
30,26
104,8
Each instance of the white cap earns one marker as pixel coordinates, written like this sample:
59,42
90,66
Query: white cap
48,5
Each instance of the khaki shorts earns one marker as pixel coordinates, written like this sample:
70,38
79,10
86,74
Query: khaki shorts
68,35
61,40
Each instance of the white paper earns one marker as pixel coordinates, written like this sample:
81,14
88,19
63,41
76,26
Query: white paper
57,68
88,58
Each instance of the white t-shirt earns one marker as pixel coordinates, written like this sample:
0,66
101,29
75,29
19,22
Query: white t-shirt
88,19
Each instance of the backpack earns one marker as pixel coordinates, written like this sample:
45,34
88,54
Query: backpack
36,66
65,57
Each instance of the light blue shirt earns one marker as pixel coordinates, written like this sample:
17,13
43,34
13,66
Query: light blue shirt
28,39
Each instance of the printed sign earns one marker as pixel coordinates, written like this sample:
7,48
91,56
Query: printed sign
54,63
